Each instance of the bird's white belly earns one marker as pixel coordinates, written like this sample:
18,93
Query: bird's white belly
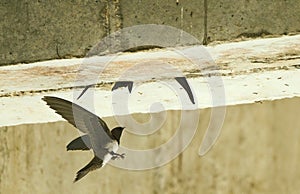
111,147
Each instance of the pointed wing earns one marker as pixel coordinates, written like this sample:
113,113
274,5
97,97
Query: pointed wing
94,164
74,113
80,143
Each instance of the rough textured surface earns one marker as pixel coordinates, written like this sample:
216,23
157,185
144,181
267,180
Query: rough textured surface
231,59
247,18
40,30
251,71
257,152
185,15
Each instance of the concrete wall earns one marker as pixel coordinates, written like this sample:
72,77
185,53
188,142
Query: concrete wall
40,30
257,152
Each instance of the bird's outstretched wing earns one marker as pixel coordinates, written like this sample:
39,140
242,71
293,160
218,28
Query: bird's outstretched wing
80,143
97,136
74,114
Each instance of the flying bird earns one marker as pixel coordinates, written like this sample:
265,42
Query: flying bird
97,135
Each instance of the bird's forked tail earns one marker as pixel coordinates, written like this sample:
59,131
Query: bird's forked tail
94,164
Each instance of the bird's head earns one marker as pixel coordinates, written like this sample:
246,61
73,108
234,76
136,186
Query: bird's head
117,132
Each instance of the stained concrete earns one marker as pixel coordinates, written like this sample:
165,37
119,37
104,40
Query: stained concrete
41,30
184,15
257,152
247,18
249,71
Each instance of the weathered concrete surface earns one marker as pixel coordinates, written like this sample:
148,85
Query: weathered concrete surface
184,15
233,19
257,152
251,71
39,30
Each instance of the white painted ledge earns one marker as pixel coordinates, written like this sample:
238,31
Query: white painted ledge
251,71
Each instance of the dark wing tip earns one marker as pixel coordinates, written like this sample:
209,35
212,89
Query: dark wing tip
80,143
120,84
47,99
84,90
183,82
69,148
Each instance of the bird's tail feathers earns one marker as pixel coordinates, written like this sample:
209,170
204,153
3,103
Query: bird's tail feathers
94,164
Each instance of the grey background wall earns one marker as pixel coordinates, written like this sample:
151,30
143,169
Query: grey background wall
40,30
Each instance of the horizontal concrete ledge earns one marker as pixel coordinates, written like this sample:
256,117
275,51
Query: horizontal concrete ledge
225,74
